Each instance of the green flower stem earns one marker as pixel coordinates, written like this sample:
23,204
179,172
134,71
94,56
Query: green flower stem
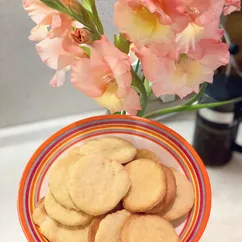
215,104
137,66
138,85
191,107
178,108
199,95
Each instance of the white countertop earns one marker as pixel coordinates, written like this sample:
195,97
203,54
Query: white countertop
17,144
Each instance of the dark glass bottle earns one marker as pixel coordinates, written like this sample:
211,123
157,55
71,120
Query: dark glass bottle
215,134
216,129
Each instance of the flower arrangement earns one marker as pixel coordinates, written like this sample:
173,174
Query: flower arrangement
177,43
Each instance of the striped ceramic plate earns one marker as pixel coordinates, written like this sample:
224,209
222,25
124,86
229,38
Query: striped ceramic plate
172,149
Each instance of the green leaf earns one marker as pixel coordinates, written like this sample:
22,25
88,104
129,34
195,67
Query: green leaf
86,49
87,5
121,43
147,85
90,5
138,85
98,21
82,15
56,5
137,66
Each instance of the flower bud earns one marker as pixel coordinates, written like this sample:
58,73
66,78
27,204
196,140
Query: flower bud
82,36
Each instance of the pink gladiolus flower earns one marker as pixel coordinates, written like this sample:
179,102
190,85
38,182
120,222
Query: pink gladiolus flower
106,77
46,17
231,6
59,54
144,21
182,75
203,22
130,102
37,10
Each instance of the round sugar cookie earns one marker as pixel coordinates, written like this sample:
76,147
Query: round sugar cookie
74,151
56,232
97,184
68,217
170,192
146,154
148,185
113,148
110,227
93,228
184,200
148,228
59,178
39,214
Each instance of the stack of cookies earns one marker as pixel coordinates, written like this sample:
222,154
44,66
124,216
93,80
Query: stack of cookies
108,191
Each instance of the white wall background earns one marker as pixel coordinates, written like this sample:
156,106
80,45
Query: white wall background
25,94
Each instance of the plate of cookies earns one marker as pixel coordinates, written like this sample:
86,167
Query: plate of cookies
114,178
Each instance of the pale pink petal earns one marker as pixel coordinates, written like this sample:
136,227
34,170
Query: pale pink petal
132,55
196,68
213,32
162,89
141,25
47,20
231,6
193,33
37,10
109,99
215,53
38,33
76,24
59,79
27,3
88,75
69,45
65,60
155,7
131,102
118,62
188,37
182,81
121,73
168,12
56,21
60,24
106,48
50,51
158,61
184,75
209,12
204,17
229,9
106,69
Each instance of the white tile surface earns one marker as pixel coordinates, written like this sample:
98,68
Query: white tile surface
226,218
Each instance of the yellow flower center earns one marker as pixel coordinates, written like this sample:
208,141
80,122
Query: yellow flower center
109,99
183,57
188,37
150,29
188,70
146,15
